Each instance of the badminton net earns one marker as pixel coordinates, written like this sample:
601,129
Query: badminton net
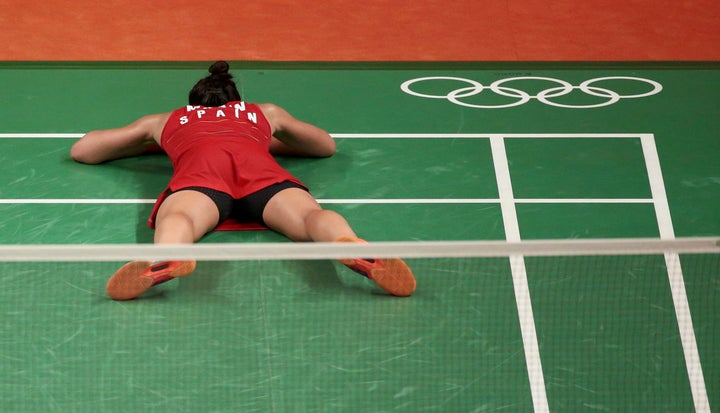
547,325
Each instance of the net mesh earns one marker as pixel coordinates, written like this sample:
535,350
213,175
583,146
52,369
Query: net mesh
616,325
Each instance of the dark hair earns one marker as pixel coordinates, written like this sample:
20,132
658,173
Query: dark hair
216,89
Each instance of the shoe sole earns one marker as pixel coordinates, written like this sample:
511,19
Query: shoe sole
130,280
390,274
395,277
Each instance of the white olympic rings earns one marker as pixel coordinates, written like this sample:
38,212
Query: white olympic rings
544,96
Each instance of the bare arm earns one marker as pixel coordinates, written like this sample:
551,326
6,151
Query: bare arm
104,145
294,137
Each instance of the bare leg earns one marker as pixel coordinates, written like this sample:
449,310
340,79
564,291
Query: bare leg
184,217
294,213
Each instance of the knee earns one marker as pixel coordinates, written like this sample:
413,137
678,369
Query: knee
175,227
311,222
325,225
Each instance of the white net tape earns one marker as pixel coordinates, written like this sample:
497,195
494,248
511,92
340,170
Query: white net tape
312,251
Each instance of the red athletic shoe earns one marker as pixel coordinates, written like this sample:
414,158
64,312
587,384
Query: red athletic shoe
391,274
136,277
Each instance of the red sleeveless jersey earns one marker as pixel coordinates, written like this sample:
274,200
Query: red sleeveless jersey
225,148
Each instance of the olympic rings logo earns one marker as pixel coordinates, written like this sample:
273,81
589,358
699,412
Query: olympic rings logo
500,87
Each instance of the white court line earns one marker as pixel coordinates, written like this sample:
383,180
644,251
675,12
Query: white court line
675,276
519,275
583,201
40,135
77,201
484,135
489,201
465,201
383,135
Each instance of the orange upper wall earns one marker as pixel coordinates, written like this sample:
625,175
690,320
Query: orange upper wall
361,30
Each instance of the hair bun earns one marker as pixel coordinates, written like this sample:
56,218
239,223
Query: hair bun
220,67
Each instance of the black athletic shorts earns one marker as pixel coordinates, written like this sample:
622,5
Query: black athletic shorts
247,209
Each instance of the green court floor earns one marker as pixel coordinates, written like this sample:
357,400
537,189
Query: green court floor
575,151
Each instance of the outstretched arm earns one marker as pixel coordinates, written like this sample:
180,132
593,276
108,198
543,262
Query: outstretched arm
294,137
104,145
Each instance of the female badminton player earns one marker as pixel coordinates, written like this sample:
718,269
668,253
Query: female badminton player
221,149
